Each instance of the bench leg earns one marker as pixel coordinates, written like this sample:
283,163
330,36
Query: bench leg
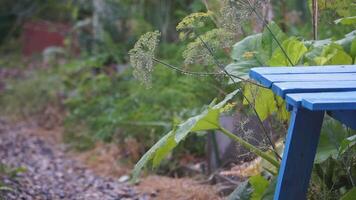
299,153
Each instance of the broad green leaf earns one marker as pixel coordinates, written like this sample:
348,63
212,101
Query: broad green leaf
350,195
149,155
207,120
269,44
167,147
333,54
346,20
245,55
259,186
346,144
265,102
331,137
293,48
197,123
353,49
242,192
269,192
254,50
346,41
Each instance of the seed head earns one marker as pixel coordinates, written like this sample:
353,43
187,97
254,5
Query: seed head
193,21
142,55
197,53
233,12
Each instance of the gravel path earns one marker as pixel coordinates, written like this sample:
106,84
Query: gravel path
50,174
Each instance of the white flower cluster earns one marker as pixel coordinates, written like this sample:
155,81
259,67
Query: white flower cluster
142,56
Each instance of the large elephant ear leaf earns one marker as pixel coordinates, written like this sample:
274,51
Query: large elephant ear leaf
269,36
295,50
207,120
149,155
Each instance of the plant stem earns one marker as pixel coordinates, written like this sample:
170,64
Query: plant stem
269,30
244,96
315,19
203,73
250,147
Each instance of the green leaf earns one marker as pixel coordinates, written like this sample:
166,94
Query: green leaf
350,195
254,50
333,54
265,102
269,192
346,20
207,120
242,192
161,153
259,185
347,40
331,137
293,48
245,56
269,44
353,48
346,144
150,155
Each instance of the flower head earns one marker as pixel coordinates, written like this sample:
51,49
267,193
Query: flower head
233,12
193,21
197,53
142,56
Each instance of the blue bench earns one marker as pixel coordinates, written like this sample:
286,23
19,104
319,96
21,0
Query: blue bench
309,92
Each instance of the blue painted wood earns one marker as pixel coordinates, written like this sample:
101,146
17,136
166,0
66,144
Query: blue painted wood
309,91
258,72
305,69
323,100
268,79
297,163
282,89
347,117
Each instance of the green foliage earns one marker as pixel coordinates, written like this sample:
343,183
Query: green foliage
343,8
113,106
346,20
207,120
30,95
293,48
256,188
349,195
259,185
254,50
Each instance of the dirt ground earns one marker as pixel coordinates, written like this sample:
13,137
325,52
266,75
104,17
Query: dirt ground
103,162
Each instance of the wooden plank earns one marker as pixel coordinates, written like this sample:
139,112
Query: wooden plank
258,72
299,153
284,88
323,100
305,69
347,117
268,79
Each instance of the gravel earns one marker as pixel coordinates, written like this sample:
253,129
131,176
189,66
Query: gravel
50,174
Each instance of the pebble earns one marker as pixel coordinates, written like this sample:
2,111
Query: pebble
50,175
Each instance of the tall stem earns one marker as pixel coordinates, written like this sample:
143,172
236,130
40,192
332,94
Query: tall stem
269,30
250,147
315,19
244,96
